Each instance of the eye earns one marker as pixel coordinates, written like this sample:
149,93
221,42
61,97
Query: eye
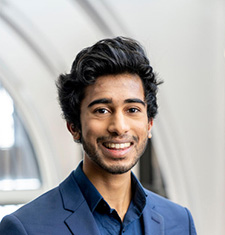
133,110
101,111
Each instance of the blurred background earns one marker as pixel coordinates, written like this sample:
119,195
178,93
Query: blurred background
185,41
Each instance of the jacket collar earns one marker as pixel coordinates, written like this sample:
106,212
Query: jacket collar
153,221
81,220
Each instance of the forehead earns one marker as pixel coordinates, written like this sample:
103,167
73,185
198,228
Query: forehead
115,87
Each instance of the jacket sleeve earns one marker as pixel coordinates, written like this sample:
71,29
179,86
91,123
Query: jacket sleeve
192,230
10,225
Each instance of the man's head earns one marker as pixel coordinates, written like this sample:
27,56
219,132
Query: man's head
106,57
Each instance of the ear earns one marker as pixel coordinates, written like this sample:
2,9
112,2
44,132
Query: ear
75,133
150,124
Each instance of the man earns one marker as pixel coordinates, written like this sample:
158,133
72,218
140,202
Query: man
109,102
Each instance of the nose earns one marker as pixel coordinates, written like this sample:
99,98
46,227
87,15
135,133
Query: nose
118,124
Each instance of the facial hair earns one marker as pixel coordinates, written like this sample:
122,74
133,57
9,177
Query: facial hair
116,168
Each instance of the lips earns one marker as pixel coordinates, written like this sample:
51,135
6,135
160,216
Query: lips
117,145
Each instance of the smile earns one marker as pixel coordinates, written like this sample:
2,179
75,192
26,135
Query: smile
117,146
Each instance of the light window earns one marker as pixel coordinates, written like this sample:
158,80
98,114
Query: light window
18,164
7,209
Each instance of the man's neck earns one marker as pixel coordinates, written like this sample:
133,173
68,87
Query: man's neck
114,188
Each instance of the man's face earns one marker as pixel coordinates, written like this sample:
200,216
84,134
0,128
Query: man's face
114,123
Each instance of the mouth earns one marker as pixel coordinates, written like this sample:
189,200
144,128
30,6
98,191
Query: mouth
117,146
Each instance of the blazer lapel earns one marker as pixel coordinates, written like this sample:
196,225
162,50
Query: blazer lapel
153,221
81,220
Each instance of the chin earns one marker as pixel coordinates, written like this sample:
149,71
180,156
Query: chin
117,168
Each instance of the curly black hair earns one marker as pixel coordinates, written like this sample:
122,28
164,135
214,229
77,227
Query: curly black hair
108,56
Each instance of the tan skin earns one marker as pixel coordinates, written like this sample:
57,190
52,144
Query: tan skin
115,189
115,127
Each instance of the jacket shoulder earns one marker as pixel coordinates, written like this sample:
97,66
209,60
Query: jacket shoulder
161,203
45,212
174,216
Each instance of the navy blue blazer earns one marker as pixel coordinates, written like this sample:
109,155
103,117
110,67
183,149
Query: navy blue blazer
63,210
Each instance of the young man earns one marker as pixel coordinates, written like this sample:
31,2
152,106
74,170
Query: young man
109,102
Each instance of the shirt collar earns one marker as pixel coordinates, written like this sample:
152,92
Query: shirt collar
139,195
87,189
90,193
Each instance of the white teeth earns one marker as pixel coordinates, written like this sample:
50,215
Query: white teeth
117,146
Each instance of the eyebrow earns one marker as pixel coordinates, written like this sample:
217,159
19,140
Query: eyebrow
109,101
100,101
135,100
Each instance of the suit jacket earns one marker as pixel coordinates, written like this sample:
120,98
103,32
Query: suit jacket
63,210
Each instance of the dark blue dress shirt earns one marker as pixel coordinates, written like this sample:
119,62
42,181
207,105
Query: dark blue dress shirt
107,219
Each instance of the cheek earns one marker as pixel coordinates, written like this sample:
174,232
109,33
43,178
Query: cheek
92,129
142,129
